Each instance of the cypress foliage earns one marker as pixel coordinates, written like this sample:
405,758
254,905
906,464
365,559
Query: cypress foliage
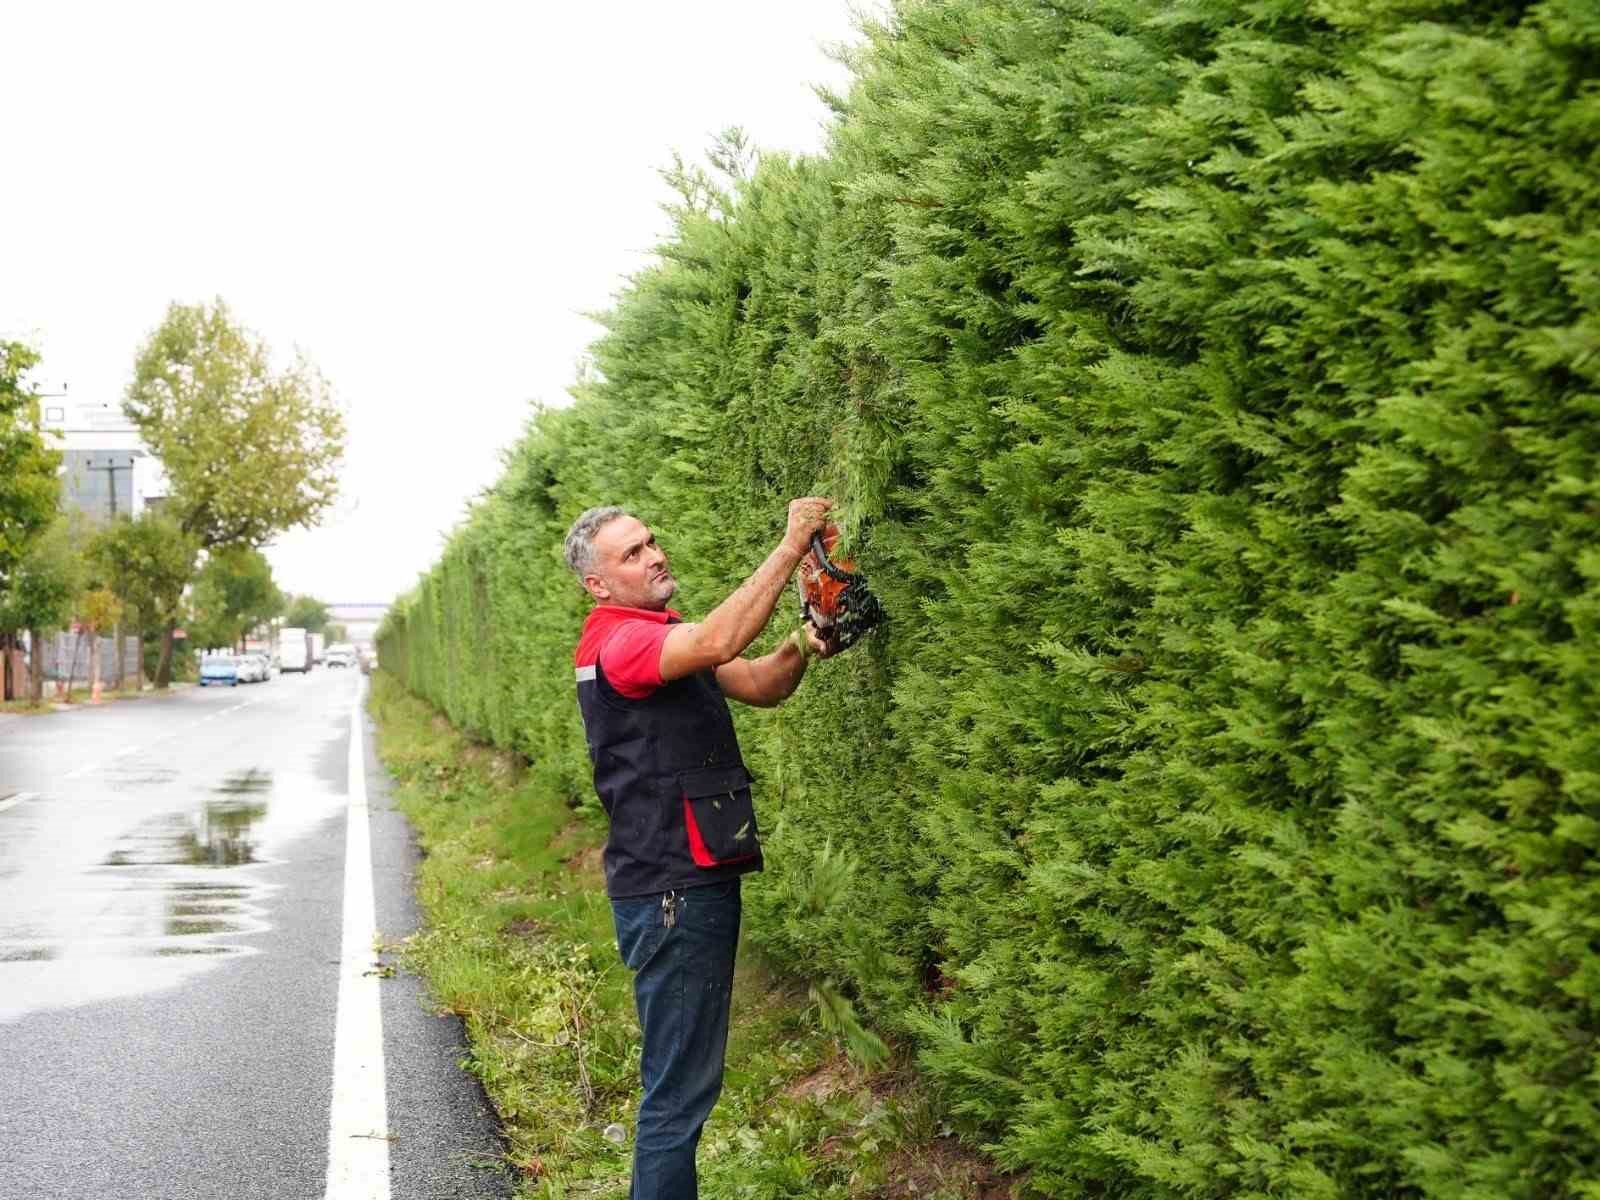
1212,390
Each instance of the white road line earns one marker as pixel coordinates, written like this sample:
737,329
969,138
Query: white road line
16,800
81,771
358,1130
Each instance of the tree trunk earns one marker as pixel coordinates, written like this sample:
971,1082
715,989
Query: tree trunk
119,674
16,667
65,693
164,666
36,665
94,665
9,690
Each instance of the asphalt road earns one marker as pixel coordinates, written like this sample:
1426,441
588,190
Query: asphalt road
171,892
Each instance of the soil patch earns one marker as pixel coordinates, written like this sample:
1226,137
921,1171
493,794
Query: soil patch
571,843
917,1171
836,1076
586,861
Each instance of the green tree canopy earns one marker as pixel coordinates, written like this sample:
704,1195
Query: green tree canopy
234,593
29,485
150,560
306,612
250,451
41,590
99,609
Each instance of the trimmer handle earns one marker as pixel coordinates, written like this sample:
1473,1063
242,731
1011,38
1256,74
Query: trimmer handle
821,552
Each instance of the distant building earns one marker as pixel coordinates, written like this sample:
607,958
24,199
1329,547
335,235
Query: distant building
106,471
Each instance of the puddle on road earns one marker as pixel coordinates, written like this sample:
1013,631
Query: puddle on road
223,838
178,886
242,783
218,836
197,910
122,778
192,951
22,954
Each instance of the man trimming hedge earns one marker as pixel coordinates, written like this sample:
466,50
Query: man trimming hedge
667,767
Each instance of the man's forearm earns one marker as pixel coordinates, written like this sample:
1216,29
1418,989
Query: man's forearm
776,675
730,627
739,620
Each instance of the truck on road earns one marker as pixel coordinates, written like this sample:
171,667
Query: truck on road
294,650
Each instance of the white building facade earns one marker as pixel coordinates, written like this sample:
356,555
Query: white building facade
106,470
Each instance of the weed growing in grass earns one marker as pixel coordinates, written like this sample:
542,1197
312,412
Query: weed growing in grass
519,943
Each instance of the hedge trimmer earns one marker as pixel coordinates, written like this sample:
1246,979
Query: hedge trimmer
834,599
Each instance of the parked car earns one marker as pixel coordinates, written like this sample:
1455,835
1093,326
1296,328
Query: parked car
220,669
342,654
250,669
263,660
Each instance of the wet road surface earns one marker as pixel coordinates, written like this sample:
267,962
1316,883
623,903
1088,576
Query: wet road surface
170,911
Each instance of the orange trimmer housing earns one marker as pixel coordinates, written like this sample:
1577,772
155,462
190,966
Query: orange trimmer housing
834,598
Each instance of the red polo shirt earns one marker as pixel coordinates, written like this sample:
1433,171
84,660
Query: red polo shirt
626,642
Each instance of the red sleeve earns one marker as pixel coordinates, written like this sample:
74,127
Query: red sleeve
631,658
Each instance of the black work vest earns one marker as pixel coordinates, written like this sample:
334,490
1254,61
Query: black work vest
668,772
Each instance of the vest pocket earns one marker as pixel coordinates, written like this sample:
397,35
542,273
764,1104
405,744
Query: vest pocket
719,815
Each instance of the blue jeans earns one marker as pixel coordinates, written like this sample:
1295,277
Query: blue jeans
680,946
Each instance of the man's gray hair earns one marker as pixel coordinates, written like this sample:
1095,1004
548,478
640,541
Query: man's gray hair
580,538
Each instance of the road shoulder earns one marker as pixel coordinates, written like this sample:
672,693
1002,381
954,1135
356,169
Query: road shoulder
445,1139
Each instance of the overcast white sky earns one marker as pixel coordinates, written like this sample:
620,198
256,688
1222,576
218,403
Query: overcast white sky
422,197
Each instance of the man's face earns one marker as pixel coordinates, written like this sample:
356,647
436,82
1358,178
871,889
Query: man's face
630,569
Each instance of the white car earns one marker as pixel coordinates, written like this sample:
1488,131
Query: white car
341,655
250,669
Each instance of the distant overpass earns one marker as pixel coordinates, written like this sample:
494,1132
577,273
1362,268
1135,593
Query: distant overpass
360,618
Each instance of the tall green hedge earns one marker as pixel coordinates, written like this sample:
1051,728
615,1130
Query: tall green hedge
1213,391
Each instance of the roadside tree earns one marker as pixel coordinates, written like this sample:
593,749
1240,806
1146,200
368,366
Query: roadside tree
29,486
41,590
308,613
98,610
150,559
250,451
234,593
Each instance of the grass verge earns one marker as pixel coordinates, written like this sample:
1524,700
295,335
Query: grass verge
79,696
518,941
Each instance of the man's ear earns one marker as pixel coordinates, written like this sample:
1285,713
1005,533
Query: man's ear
597,588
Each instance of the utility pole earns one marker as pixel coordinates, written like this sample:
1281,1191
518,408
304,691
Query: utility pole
111,468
